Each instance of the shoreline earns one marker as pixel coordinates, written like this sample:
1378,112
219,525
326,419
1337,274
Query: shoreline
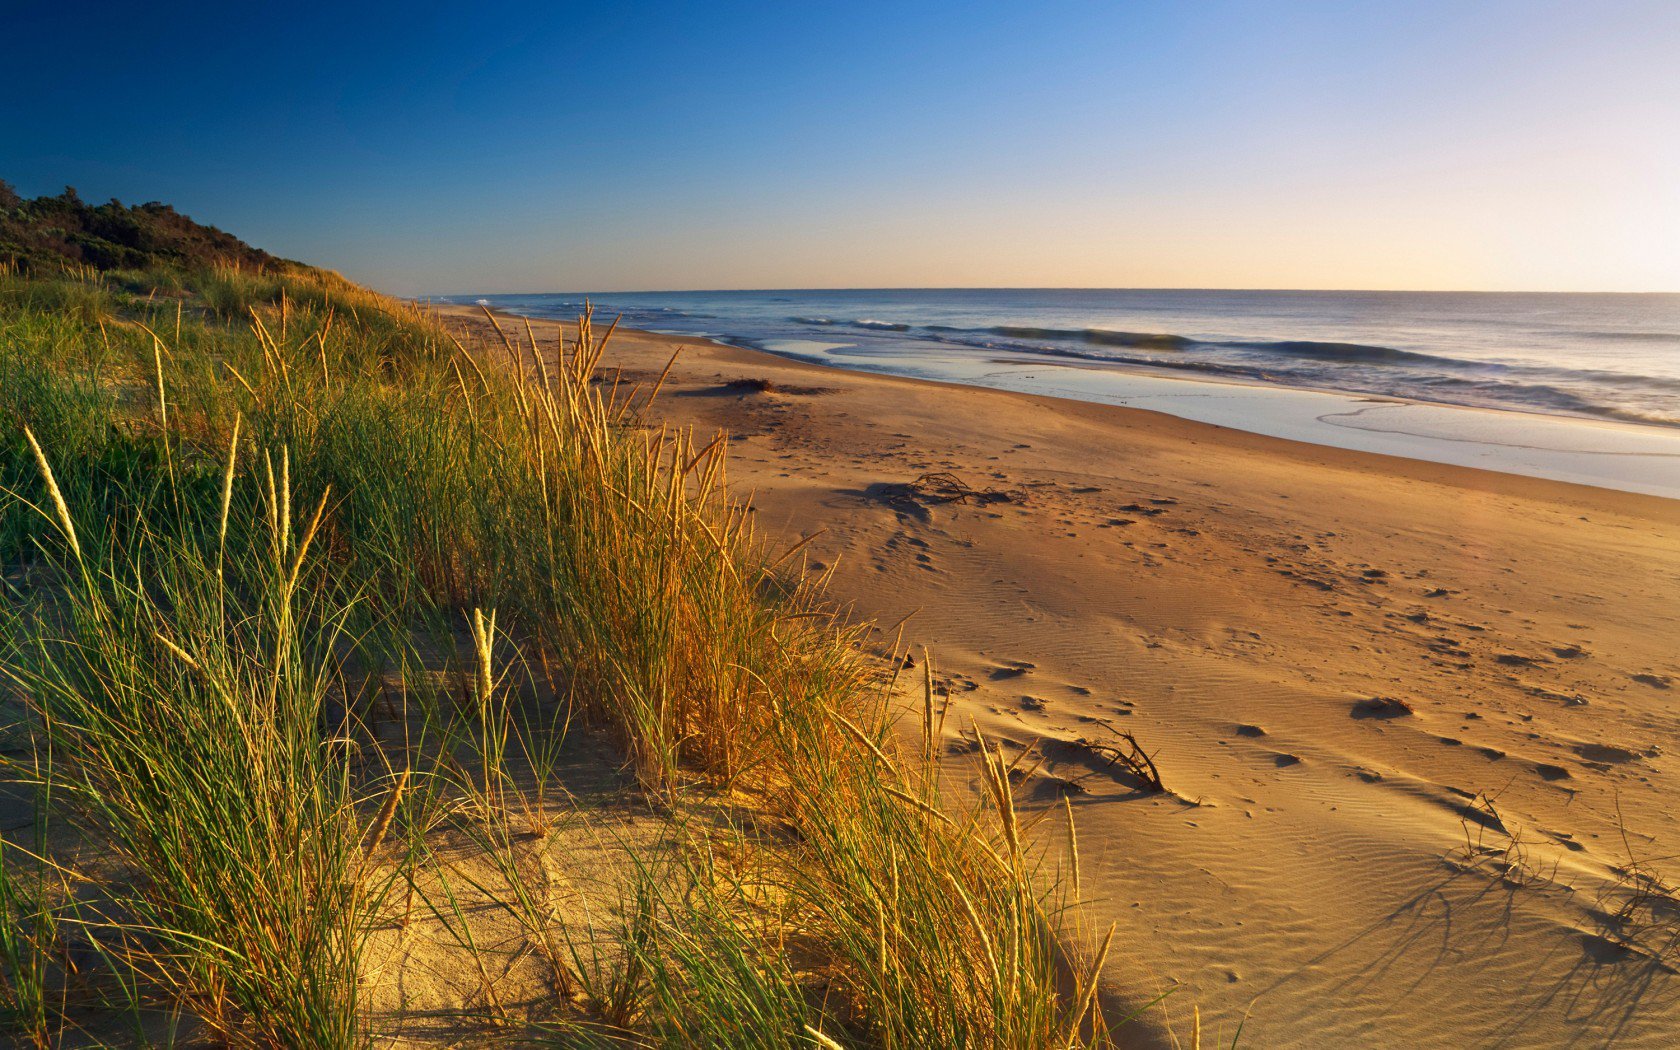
1620,455
1234,599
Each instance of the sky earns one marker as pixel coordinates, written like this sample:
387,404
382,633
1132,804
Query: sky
497,147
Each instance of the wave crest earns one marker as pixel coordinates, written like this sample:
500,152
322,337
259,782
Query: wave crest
1361,352
1098,337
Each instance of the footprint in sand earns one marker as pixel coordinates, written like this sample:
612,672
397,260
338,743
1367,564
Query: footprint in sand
1013,669
1608,754
1383,707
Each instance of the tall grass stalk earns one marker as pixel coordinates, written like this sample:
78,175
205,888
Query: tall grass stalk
184,704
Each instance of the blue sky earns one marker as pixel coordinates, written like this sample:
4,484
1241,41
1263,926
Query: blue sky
504,147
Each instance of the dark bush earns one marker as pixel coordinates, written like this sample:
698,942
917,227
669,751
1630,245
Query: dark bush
49,233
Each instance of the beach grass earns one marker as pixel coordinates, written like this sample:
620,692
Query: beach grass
313,607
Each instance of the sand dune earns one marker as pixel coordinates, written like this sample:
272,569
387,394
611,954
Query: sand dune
1412,718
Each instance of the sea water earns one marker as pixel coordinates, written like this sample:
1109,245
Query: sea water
1538,359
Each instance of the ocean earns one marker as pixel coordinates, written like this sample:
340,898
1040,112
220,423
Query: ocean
1602,356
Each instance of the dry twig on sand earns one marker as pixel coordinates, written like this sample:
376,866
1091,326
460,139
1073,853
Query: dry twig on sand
1129,754
1641,908
944,487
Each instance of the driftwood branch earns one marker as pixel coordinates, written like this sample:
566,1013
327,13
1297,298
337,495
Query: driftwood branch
1129,754
941,487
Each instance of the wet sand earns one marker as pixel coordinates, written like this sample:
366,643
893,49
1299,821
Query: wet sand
1606,453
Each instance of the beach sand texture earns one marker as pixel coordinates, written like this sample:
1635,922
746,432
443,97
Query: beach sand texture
1416,721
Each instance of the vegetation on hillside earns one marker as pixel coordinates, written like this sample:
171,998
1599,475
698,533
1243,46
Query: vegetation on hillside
47,233
360,684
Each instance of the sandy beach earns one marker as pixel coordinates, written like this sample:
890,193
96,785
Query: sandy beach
1106,526
1414,719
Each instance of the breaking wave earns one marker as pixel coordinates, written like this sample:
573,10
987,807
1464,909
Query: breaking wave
1610,359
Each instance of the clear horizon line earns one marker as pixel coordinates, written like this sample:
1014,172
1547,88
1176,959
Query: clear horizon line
1063,288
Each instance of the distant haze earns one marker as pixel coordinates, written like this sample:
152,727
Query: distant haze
504,147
